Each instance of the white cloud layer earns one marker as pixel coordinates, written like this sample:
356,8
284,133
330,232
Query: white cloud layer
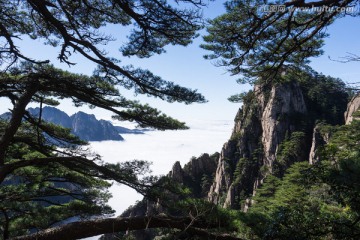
163,149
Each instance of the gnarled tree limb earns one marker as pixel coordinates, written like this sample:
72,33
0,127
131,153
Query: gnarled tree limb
83,229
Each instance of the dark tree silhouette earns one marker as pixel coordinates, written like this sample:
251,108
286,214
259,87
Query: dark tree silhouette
46,174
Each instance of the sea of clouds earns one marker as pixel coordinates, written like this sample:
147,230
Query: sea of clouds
163,149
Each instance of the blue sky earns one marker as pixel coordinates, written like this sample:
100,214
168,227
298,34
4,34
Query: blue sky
344,38
186,66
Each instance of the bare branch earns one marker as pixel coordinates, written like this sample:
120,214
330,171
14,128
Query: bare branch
351,57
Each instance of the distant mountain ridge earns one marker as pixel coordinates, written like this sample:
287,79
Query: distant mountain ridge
83,125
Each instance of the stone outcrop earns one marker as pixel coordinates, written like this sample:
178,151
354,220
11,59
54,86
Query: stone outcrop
319,139
286,101
177,173
261,125
203,165
352,107
196,175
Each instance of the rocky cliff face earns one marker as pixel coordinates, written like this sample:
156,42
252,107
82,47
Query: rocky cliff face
274,128
195,171
286,103
321,138
353,106
261,125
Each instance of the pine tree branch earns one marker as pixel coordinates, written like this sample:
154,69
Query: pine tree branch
89,50
83,229
81,165
15,121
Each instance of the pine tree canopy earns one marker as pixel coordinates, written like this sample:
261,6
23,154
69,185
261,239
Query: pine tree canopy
48,177
258,38
77,27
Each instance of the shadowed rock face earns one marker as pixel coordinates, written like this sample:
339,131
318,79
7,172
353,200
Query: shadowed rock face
320,139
